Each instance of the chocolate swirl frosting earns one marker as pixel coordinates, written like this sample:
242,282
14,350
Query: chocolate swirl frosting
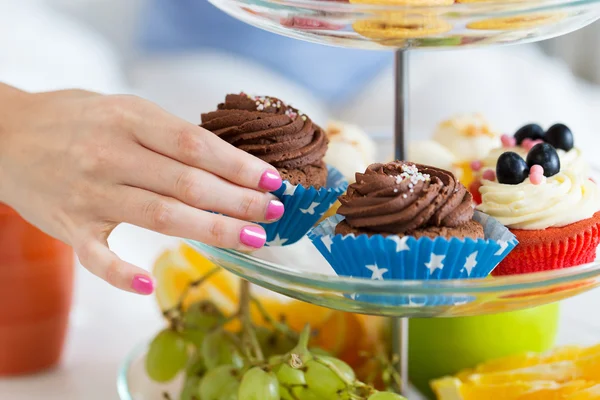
401,198
268,129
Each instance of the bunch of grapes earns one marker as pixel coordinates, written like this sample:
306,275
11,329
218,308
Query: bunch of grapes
256,363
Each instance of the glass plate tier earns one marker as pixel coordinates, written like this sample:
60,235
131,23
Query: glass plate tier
417,23
307,276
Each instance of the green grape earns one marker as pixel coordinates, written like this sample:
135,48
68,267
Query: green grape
258,384
203,316
195,366
217,349
317,351
286,375
230,394
219,382
167,355
273,343
323,381
307,394
190,388
193,336
385,396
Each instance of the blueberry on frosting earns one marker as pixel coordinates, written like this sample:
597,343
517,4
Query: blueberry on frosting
544,155
530,131
560,136
511,169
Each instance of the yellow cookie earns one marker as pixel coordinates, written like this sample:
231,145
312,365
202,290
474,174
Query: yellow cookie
415,3
516,22
394,26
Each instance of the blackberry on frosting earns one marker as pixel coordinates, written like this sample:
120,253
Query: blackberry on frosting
276,133
407,199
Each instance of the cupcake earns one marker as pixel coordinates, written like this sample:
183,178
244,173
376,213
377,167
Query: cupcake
288,140
552,211
558,135
468,137
430,152
350,150
410,221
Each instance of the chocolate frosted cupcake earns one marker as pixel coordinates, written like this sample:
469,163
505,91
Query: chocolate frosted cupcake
274,132
407,199
288,140
408,221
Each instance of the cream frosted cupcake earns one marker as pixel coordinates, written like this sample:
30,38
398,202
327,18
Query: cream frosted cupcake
558,135
553,212
350,148
468,136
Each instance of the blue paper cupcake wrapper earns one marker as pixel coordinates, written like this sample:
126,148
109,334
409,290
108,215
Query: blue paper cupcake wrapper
303,208
382,258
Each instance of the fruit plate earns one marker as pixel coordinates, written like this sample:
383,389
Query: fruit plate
441,24
134,384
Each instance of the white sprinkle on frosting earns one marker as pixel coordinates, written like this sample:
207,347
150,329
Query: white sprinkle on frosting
411,173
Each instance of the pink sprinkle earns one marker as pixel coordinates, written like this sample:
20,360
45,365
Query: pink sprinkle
476,165
528,143
536,174
508,141
489,175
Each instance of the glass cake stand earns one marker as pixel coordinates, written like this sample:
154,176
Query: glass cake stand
418,24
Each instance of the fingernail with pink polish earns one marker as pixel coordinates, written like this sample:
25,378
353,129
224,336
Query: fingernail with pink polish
275,210
270,180
253,236
142,284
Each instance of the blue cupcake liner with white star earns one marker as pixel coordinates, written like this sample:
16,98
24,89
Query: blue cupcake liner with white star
303,208
383,258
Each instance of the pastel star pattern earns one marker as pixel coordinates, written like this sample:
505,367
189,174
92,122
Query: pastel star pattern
277,241
400,243
377,273
503,246
289,189
327,242
311,209
436,262
471,262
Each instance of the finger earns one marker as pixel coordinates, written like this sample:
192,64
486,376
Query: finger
197,147
199,189
97,258
171,217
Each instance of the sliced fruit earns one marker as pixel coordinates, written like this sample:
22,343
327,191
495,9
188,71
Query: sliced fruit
455,389
174,270
524,360
591,393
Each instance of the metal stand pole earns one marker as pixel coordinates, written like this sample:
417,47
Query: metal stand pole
400,325
401,103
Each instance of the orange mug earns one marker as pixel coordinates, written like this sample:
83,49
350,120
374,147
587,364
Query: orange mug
36,286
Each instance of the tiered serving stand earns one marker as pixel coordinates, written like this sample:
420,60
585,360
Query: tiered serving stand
404,28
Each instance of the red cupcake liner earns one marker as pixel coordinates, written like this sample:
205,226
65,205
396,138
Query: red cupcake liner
552,248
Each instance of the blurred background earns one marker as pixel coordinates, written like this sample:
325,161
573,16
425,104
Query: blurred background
103,45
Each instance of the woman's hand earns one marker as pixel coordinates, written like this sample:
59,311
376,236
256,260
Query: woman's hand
76,164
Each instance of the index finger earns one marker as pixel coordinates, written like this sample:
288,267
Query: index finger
199,148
